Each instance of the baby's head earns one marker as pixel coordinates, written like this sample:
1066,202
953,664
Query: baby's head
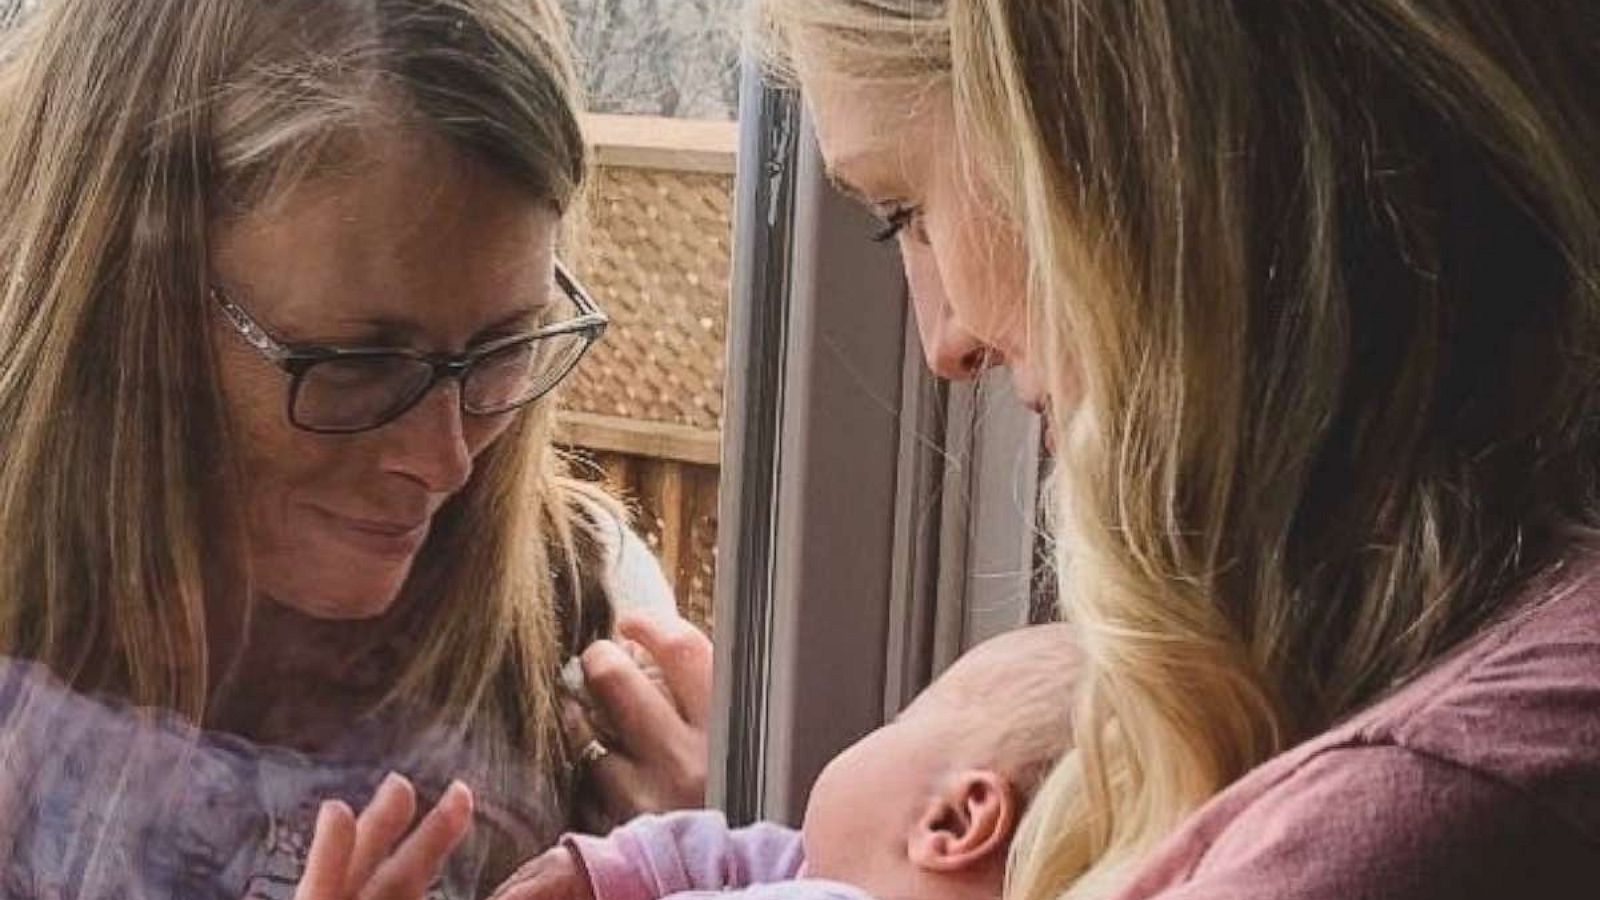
926,805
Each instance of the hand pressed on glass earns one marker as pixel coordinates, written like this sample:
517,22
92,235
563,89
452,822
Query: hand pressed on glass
379,856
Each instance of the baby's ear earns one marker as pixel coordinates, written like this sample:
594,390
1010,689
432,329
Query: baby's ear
966,825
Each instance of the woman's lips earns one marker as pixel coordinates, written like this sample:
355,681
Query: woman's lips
385,539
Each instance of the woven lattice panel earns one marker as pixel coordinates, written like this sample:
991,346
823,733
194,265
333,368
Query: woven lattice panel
674,508
657,259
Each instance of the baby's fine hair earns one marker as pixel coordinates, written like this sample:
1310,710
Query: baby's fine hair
1018,690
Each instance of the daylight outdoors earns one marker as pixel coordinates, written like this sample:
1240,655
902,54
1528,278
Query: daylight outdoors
645,410
674,58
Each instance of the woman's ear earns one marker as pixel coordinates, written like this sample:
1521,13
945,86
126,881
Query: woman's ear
967,824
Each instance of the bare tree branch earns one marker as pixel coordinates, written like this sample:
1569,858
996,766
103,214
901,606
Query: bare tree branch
658,57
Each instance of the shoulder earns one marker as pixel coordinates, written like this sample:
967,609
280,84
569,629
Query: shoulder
1525,708
102,799
1362,821
1479,778
112,797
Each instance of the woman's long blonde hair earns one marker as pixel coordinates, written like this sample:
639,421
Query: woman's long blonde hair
1321,280
128,130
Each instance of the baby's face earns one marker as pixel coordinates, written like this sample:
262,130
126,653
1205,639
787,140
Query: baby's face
895,787
866,801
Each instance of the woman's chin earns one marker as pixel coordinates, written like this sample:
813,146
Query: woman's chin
345,596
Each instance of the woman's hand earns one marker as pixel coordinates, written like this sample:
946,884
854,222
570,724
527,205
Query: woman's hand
656,759
357,858
554,875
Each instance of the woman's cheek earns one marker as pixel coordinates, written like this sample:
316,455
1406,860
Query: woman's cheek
483,431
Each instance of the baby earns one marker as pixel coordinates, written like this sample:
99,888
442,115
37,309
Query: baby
924,807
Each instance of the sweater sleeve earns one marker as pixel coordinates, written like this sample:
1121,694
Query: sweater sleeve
1385,821
798,889
655,856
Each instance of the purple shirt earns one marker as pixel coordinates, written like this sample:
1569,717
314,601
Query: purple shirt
99,800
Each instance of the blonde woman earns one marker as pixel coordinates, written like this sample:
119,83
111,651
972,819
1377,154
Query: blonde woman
1310,294
279,317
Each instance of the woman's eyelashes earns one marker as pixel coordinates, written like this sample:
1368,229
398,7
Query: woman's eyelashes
896,221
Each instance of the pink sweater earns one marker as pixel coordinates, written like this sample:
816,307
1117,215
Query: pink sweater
1479,779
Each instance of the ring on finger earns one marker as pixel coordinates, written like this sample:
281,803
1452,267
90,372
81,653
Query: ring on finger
592,752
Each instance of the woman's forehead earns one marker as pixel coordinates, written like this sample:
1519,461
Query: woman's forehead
416,240
876,138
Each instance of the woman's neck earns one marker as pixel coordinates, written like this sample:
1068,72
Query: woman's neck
287,678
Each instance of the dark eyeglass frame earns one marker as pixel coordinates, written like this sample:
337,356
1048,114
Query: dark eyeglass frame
298,359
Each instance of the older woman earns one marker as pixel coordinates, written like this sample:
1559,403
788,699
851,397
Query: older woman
279,316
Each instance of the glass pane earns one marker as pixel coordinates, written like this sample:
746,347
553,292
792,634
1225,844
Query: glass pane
209,653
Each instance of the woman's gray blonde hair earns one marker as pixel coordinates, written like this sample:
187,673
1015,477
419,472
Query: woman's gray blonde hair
129,129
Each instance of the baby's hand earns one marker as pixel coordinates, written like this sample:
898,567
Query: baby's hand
373,857
555,875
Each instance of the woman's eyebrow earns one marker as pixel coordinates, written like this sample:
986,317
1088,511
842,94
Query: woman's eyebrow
377,330
845,186
520,317
882,195
387,331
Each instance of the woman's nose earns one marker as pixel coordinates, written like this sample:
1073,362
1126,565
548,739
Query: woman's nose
952,352
428,444
960,361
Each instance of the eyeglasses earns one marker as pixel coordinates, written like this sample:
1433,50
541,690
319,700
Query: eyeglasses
342,390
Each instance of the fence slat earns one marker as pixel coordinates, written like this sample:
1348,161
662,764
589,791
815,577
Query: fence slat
654,440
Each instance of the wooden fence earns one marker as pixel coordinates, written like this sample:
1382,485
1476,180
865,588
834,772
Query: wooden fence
668,477
644,412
